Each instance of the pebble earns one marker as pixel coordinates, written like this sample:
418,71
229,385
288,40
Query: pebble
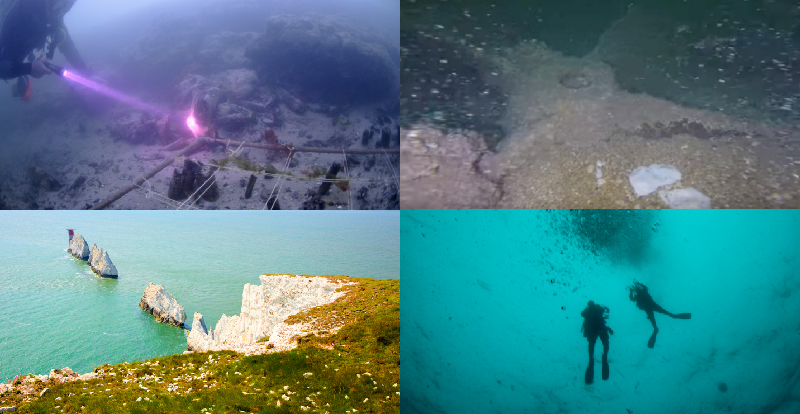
646,180
685,198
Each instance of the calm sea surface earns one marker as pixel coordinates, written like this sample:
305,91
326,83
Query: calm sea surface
55,313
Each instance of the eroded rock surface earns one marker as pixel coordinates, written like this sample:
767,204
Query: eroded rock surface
446,171
101,264
78,247
159,303
332,59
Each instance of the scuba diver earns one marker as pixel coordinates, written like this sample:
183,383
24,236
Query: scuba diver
35,25
645,302
594,325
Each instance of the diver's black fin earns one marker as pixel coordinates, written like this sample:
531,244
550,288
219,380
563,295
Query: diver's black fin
605,368
683,316
652,342
590,373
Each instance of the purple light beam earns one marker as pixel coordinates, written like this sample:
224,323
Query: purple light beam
105,90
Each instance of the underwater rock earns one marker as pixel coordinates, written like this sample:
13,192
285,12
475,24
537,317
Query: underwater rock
646,180
685,198
159,303
189,86
446,171
205,104
272,202
78,247
77,184
239,83
42,180
225,50
264,306
328,59
295,105
136,128
385,197
233,117
575,79
313,201
195,179
366,137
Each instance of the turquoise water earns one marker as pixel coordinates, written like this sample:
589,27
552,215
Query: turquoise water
492,304
54,312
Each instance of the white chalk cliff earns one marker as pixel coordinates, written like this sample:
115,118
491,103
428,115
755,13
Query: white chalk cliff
159,303
78,247
264,308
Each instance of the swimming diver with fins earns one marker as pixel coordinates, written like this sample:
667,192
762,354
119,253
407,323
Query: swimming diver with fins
594,325
640,294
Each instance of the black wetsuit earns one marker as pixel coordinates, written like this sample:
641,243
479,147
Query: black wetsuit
26,28
594,325
640,294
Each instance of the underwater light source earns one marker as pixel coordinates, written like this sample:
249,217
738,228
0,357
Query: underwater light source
192,123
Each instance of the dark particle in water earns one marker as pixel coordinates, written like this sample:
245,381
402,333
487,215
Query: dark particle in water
723,387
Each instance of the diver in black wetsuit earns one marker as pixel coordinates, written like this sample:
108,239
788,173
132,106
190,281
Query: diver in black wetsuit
594,325
30,25
645,302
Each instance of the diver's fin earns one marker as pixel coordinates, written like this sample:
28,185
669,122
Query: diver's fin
683,316
605,367
652,342
590,372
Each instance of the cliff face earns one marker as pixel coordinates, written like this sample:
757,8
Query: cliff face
264,308
159,303
78,247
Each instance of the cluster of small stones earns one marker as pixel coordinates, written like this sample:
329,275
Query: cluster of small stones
56,376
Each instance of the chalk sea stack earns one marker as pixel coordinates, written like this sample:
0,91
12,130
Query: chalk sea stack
78,247
101,264
159,303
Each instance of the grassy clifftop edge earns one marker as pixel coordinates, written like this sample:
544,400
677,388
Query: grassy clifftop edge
351,363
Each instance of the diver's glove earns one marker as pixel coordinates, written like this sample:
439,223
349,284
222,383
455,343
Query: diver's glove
39,69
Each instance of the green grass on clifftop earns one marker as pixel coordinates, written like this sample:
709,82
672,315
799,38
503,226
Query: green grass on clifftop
357,369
